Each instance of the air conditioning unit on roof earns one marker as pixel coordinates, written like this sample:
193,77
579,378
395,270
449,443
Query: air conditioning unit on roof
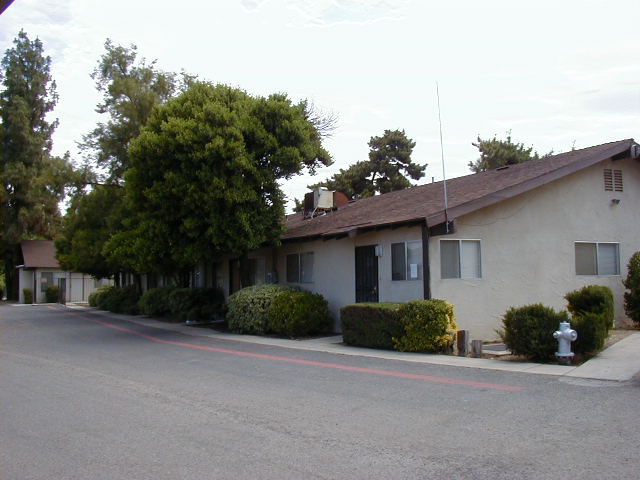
323,198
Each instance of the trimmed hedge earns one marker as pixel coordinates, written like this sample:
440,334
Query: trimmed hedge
528,331
248,309
632,283
155,302
28,295
429,326
298,313
416,326
196,303
372,325
52,293
592,311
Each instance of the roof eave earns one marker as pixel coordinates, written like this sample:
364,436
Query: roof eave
509,192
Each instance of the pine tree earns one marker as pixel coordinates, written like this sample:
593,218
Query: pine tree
30,176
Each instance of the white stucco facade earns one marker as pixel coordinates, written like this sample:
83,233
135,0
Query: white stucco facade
78,286
528,246
527,251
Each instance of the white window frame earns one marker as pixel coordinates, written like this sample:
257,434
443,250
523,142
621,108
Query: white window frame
598,274
407,268
460,240
299,276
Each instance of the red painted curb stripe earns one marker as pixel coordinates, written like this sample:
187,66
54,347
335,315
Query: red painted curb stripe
336,366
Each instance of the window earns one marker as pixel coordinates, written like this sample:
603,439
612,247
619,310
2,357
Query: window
460,259
46,280
258,270
300,267
613,180
597,258
406,261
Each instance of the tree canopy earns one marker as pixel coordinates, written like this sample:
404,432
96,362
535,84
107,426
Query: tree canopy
33,181
388,168
204,176
131,89
496,153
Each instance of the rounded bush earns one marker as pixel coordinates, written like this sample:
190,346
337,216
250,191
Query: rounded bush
632,283
120,300
592,332
52,293
592,299
528,331
95,297
429,326
298,313
155,301
248,309
28,295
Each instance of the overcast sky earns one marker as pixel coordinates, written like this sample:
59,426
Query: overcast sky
553,73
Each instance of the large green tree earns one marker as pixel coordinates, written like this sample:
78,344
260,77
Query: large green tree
496,153
388,168
131,88
205,173
33,181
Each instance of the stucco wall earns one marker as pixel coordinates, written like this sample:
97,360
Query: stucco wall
528,251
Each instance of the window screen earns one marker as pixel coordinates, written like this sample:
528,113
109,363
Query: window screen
306,267
398,262
597,258
450,259
460,259
293,268
414,260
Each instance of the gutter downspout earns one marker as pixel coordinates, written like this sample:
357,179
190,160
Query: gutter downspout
426,261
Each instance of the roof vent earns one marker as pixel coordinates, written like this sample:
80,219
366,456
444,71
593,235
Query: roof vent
502,168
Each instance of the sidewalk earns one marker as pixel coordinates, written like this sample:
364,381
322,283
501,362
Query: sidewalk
620,362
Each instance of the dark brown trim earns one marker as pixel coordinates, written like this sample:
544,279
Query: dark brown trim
426,262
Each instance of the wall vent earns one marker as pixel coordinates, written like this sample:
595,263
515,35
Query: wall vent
613,180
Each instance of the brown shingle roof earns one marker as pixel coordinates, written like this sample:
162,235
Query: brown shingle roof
39,254
465,194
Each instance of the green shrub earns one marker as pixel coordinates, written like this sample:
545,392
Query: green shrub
248,309
120,300
196,303
592,313
95,297
592,333
52,293
592,299
155,301
632,283
528,331
429,326
28,295
371,325
298,313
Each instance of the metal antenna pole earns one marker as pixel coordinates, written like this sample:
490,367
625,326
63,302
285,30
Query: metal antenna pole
444,175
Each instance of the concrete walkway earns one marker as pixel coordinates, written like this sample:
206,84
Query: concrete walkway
620,362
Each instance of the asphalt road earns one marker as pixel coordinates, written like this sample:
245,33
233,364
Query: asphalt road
85,395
